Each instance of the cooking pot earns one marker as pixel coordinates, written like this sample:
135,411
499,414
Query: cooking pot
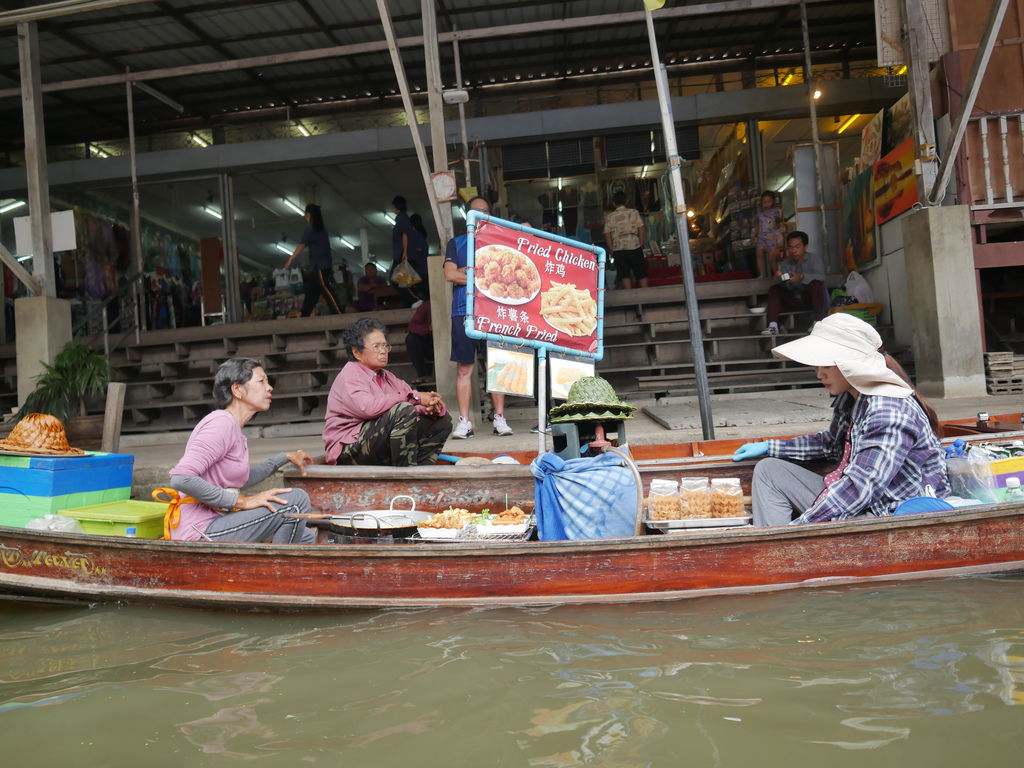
375,523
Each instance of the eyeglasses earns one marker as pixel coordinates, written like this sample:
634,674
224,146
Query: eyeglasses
380,347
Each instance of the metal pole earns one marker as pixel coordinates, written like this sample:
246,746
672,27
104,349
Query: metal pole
232,278
815,139
462,114
136,218
35,159
682,231
956,135
542,400
403,87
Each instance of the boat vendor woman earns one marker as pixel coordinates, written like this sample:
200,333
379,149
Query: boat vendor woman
883,434
215,469
373,417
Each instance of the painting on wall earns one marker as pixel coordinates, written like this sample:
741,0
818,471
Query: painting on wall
871,140
860,245
895,183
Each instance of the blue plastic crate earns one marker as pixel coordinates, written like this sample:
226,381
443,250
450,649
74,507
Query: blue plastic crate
58,476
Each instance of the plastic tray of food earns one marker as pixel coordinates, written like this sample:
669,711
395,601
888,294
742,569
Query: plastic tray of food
700,522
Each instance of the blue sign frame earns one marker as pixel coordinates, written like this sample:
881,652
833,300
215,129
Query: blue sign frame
471,224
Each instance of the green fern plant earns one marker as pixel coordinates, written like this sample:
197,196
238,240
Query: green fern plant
77,373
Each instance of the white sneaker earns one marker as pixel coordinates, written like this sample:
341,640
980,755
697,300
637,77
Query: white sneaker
501,426
463,429
416,304
771,330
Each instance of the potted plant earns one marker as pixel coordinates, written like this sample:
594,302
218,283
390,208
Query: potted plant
76,374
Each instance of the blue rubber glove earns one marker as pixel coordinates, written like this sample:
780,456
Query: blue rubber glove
751,451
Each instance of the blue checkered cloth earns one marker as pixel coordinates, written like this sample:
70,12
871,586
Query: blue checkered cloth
589,498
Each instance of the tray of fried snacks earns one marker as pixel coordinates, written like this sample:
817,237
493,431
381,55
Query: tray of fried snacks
512,521
447,524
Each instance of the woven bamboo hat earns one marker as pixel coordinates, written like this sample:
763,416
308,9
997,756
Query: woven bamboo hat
40,433
592,398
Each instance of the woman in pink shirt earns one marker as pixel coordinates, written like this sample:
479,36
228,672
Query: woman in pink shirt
373,417
215,469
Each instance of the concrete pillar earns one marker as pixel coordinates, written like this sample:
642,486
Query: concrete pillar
947,331
43,328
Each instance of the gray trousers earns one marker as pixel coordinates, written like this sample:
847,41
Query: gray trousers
261,523
782,490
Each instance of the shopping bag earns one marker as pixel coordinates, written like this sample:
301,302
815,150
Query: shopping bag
404,275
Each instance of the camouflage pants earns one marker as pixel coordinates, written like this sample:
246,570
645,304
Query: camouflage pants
399,437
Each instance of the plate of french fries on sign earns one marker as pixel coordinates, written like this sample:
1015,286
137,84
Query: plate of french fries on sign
569,309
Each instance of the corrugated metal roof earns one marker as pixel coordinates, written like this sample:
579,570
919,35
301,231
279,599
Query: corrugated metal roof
180,33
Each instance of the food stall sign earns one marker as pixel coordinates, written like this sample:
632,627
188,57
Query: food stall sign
533,288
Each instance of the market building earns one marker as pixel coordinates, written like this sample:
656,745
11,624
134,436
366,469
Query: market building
188,138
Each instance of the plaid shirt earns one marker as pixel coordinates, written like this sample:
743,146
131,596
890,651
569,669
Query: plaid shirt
894,454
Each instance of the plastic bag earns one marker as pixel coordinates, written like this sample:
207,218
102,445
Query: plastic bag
56,523
695,497
726,497
404,275
970,475
663,501
859,288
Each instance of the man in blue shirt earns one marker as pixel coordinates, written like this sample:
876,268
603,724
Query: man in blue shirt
464,349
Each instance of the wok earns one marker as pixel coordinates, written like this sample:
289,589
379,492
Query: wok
375,523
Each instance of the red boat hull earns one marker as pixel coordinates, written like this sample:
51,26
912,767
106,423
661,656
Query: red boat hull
263,576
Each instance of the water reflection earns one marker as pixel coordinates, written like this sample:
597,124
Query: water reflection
825,674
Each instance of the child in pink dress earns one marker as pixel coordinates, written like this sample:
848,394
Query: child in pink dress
769,235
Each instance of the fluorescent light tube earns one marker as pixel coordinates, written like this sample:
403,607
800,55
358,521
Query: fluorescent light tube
12,205
210,210
283,248
293,206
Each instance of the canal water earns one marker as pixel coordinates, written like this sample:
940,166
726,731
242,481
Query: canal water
914,674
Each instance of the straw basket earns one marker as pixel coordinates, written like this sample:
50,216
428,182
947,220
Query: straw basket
866,312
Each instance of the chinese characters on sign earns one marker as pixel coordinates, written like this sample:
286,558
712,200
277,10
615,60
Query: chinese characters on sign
530,286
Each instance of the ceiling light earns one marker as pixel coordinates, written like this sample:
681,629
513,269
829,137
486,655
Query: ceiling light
690,213
301,128
197,139
12,205
643,172
559,184
25,258
458,211
390,217
211,211
347,244
283,248
787,184
847,123
817,94
293,206
786,80
902,70
98,151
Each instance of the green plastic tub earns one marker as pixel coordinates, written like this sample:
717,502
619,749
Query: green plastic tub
114,518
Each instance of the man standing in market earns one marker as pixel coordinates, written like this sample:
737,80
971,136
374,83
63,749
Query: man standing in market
464,349
801,283
624,232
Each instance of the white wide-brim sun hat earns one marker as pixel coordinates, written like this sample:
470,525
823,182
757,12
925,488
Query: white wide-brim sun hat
851,345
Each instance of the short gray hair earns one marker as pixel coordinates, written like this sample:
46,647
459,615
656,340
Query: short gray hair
354,337
237,370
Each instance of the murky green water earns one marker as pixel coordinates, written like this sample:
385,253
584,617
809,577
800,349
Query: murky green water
928,674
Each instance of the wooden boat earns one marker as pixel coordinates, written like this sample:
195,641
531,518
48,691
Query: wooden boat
348,488
413,572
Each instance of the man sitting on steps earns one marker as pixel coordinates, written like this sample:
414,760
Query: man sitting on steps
802,283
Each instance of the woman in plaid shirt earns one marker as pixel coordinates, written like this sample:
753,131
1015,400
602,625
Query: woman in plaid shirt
883,435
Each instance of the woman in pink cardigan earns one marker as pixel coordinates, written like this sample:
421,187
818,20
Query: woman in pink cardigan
215,469
373,417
